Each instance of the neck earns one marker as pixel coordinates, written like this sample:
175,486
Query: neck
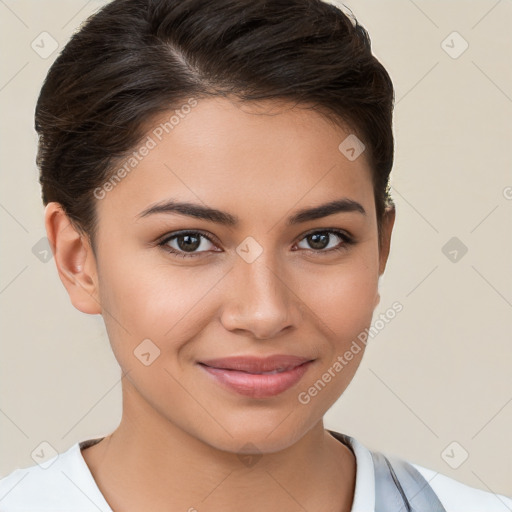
150,462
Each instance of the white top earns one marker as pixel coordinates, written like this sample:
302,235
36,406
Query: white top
68,485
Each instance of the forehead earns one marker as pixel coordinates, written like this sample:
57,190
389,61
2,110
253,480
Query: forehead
249,157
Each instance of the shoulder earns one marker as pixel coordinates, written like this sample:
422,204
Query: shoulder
377,487
56,485
458,497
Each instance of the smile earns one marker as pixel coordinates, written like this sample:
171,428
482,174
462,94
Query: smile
255,377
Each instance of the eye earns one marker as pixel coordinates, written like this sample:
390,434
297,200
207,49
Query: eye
186,243
324,241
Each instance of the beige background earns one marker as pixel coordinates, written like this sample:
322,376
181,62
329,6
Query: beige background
437,373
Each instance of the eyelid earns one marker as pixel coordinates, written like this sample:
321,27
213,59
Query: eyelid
336,231
168,236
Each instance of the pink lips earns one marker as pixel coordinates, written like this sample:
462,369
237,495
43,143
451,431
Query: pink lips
258,377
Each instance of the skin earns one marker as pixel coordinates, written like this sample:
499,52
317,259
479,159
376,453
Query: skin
179,443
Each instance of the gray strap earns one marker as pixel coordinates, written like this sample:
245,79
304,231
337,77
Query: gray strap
400,487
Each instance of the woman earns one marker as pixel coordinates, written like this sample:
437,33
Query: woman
215,175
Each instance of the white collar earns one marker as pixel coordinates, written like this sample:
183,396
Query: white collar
364,494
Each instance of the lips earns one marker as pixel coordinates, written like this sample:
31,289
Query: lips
257,365
257,377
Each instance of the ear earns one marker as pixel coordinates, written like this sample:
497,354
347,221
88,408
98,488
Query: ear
387,228
75,260
388,222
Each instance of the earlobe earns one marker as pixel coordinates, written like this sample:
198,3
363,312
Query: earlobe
74,259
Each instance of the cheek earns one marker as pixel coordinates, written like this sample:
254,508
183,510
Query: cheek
156,301
343,304
343,297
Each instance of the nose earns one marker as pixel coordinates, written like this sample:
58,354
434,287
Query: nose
261,301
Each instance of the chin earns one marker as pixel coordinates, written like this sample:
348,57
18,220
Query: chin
256,437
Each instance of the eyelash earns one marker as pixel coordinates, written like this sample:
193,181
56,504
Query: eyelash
347,241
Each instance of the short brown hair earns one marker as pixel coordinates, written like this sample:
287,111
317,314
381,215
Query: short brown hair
135,58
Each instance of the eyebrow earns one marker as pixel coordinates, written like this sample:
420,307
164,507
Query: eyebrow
198,211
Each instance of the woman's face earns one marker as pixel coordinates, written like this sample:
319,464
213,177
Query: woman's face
257,280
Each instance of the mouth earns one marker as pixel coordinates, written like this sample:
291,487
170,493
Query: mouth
257,365
257,377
